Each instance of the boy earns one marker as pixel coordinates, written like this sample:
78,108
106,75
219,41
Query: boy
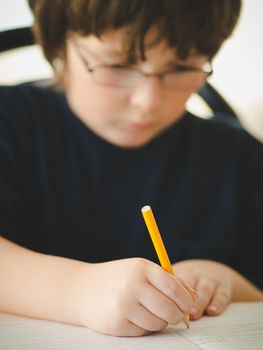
79,159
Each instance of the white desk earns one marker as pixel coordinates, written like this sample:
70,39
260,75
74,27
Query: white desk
240,327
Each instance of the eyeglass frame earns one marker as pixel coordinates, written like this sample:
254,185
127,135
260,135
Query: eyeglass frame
180,69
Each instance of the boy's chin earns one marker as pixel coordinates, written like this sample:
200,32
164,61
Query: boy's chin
131,143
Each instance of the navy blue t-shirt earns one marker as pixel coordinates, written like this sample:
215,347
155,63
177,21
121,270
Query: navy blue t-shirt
67,192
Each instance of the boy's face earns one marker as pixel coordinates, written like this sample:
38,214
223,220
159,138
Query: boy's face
126,116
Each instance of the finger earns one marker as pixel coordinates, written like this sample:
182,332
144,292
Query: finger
220,300
160,305
205,290
188,279
127,329
144,319
189,283
170,286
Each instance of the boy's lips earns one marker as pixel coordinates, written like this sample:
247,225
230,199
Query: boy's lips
140,126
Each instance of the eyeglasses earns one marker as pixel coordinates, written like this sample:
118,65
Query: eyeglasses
117,75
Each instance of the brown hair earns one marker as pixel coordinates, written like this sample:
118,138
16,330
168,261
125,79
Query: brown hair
185,24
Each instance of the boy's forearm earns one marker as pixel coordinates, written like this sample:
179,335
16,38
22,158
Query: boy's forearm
37,285
244,290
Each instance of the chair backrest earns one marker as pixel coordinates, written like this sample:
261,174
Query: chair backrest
219,106
16,38
220,109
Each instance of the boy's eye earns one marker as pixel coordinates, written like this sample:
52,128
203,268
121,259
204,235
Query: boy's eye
119,66
183,68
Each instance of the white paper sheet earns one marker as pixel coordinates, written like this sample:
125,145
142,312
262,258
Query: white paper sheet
240,327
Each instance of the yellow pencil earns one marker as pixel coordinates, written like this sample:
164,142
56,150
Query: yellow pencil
159,246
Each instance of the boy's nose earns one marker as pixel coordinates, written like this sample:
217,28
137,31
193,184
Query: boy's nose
148,94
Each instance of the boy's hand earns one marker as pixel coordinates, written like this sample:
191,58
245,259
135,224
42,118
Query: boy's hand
213,282
129,297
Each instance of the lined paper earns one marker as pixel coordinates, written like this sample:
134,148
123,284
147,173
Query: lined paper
240,327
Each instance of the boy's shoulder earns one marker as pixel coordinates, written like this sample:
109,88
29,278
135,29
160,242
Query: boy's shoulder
23,103
29,112
223,131
25,93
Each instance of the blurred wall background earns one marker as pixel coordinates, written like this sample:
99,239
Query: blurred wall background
238,67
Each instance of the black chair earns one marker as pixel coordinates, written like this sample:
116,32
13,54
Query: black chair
221,110
16,38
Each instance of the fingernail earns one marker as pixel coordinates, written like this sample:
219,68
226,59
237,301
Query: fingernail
194,312
213,308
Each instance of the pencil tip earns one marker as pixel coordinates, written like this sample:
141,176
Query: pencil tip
186,320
